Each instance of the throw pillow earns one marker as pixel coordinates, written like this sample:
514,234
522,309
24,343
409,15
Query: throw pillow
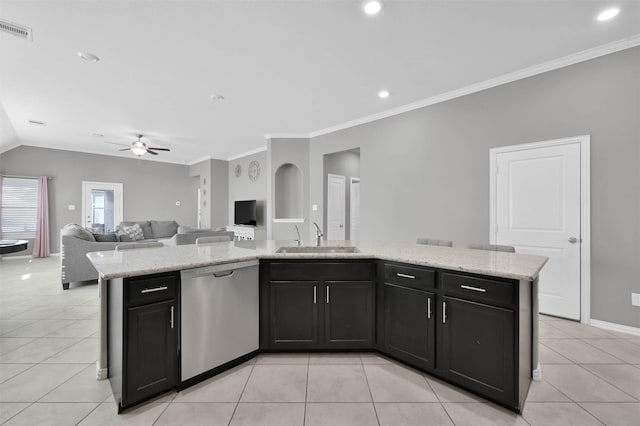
75,230
109,237
144,224
134,232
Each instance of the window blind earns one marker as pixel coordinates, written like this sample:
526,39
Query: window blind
19,208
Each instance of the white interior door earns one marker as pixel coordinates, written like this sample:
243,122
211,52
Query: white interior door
335,207
538,211
354,222
102,205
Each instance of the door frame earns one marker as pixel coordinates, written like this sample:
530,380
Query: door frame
352,180
118,192
344,204
585,204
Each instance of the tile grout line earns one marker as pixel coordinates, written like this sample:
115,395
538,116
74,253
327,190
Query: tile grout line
253,365
586,340
606,381
375,410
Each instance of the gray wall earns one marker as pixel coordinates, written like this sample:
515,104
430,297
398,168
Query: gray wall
426,172
347,164
242,188
213,181
283,151
151,189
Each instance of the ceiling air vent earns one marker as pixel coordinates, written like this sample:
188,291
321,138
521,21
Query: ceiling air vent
37,123
16,30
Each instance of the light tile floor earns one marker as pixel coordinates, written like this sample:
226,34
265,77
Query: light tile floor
48,349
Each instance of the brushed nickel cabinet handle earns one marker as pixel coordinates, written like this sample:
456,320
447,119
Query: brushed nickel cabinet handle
411,277
153,290
429,308
171,320
327,294
315,294
444,312
468,287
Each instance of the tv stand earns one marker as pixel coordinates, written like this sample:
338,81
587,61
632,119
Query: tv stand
247,232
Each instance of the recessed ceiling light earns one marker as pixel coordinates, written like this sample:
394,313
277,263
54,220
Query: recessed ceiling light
88,56
608,14
371,7
37,122
216,97
383,94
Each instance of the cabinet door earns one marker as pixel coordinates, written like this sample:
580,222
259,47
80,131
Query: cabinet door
348,314
151,350
477,347
410,325
294,314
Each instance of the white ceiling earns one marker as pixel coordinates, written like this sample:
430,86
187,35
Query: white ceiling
282,66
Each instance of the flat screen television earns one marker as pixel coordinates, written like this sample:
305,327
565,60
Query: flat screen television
245,213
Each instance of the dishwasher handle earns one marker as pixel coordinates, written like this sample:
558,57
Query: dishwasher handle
225,274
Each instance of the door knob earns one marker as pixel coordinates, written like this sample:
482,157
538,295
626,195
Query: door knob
573,240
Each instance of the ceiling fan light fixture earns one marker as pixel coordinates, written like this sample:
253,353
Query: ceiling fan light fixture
138,151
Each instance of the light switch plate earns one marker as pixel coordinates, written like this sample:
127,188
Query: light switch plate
314,207
635,299
72,207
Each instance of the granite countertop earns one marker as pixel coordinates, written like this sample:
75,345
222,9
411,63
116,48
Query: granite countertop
127,263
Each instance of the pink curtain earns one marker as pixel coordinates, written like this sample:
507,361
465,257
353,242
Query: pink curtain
41,245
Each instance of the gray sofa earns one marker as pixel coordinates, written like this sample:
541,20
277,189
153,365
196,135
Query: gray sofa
76,242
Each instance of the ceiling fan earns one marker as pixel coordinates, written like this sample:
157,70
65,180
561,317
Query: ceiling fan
139,148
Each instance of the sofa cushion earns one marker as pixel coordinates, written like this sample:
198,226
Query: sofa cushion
144,224
134,232
109,237
75,230
164,228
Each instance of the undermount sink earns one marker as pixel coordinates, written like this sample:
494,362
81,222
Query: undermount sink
321,249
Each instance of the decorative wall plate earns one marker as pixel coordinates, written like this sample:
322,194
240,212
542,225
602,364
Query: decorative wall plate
238,170
254,171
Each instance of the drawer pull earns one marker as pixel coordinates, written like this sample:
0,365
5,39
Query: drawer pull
468,287
411,277
429,308
153,290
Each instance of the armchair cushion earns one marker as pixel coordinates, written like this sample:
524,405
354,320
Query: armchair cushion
77,231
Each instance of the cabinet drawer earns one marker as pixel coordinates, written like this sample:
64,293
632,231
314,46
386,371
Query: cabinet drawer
308,271
479,289
144,290
413,277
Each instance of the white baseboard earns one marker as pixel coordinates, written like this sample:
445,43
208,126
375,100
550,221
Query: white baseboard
536,374
615,327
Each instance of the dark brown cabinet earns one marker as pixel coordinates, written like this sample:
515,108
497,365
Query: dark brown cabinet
410,325
476,348
143,336
317,305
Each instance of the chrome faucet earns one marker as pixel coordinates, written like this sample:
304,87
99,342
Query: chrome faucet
299,241
319,234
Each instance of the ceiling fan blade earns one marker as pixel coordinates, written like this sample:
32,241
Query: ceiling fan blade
160,149
151,152
125,149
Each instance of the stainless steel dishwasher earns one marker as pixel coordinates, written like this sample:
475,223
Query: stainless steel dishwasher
219,322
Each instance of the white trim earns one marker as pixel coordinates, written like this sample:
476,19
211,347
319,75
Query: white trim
199,160
585,208
290,220
25,256
585,55
118,193
247,153
620,328
286,136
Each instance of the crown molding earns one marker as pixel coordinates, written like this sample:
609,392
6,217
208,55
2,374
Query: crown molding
199,160
286,136
585,55
244,154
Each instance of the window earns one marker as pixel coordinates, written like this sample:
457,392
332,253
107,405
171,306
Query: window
19,208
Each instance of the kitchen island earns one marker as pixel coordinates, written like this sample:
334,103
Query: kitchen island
430,307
